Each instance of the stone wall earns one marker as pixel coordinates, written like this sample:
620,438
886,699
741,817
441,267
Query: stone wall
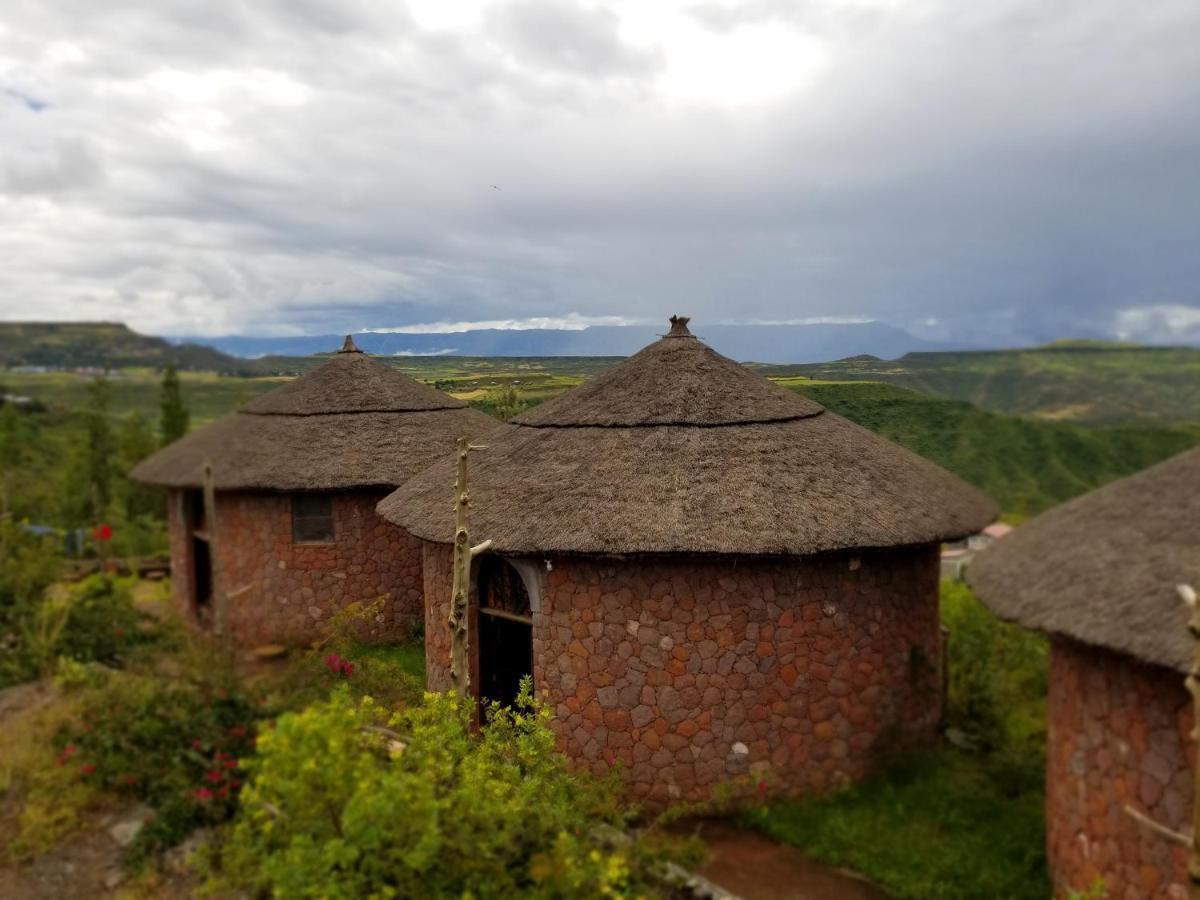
283,591
1118,736
693,672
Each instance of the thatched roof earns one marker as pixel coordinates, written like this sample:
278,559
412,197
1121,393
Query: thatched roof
680,450
1103,568
349,423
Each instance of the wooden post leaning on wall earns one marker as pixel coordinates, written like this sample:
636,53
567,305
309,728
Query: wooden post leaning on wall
460,591
220,613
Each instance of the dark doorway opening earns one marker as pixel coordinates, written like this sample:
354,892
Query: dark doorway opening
200,556
505,631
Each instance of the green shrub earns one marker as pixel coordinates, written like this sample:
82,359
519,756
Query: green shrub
996,675
179,746
347,800
93,621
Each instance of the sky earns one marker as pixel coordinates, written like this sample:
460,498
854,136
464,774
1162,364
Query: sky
1004,171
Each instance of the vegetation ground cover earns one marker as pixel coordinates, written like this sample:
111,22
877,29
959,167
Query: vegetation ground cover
1084,381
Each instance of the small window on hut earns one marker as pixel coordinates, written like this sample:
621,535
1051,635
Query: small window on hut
312,518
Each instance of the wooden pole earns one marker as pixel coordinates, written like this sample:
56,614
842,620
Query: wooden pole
460,668
220,619
1188,594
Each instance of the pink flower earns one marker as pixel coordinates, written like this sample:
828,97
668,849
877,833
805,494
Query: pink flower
202,794
333,662
347,668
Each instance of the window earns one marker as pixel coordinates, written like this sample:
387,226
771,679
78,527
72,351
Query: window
312,518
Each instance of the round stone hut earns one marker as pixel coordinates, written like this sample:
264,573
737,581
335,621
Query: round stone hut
1099,574
707,576
296,474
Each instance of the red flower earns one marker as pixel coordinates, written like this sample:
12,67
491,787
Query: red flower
69,750
102,532
202,794
609,758
196,744
333,662
214,776
88,768
762,785
347,668
238,731
231,763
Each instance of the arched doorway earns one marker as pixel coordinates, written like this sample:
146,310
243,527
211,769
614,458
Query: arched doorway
505,631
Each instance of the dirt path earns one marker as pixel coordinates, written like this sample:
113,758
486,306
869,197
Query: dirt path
757,868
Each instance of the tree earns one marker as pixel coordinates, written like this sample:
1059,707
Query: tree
99,461
173,417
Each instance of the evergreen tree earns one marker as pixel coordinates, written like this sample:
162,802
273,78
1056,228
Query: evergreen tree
173,417
99,462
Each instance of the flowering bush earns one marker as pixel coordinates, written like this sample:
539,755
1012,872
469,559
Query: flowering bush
177,746
347,800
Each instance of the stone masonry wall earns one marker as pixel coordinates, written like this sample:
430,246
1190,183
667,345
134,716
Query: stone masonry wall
1118,736
282,591
698,671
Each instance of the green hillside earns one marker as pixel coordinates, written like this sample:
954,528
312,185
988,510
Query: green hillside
1089,382
1025,464
69,345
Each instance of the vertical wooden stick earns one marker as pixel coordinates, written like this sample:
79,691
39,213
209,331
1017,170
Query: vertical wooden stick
460,676
1188,594
460,591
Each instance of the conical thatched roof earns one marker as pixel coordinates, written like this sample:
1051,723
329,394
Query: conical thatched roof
680,450
351,422
1103,568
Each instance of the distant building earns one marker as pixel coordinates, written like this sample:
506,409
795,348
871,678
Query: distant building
957,555
705,574
1099,575
297,473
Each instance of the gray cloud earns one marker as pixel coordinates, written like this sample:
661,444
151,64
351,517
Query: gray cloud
1000,171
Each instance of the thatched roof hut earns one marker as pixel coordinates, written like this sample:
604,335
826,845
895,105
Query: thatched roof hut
351,422
296,474
1099,574
681,450
1103,568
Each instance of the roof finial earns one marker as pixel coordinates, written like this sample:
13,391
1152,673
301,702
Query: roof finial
679,327
348,346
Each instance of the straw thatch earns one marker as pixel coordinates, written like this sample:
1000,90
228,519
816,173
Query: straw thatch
1103,568
665,454
349,423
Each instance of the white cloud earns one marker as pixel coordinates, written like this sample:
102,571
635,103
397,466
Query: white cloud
310,165
1162,324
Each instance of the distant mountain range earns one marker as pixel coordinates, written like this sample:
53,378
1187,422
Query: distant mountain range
748,343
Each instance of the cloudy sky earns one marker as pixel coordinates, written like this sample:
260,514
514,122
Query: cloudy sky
1011,169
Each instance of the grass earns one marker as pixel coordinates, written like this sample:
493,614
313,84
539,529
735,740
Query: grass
943,825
